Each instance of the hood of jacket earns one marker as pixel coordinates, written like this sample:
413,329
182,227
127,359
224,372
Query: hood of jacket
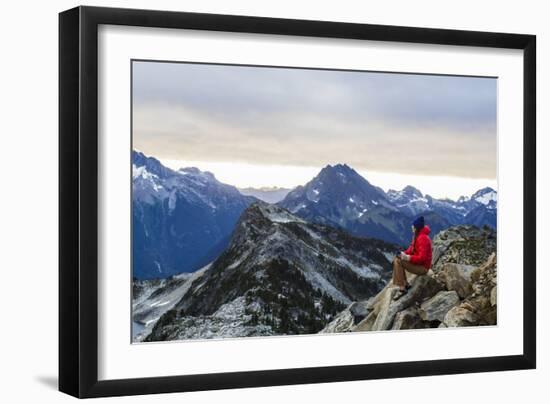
425,230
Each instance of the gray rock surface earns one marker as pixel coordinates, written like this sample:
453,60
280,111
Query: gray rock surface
359,309
407,319
459,316
421,288
457,277
437,307
343,322
468,245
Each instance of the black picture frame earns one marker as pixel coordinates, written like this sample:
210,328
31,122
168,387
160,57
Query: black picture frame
78,200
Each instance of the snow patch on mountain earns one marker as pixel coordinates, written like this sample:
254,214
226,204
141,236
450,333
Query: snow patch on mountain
365,210
277,215
153,298
181,219
231,320
486,198
320,282
363,270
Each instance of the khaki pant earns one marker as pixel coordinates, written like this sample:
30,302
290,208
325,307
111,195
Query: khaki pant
399,267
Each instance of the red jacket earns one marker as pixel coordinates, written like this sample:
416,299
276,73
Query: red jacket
420,249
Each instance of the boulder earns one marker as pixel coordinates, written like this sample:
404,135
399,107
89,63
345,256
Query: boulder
459,316
422,288
484,298
437,307
372,303
457,277
360,310
485,311
343,322
367,323
350,318
488,317
385,316
480,303
407,319
463,244
487,268
467,305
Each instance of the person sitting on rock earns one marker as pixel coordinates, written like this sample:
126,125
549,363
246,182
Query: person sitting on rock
417,259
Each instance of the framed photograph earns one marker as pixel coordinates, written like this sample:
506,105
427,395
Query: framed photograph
250,201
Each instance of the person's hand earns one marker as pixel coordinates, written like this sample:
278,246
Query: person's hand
405,257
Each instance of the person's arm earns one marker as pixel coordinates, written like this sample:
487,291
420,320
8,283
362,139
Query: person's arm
421,253
409,250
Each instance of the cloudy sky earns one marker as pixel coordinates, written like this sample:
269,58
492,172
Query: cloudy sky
260,126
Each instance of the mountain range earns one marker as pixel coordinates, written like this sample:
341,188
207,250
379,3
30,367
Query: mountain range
210,262
183,219
279,275
339,196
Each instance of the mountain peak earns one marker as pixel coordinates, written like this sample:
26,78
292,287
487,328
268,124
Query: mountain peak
171,206
406,194
205,176
339,196
151,164
337,169
342,167
339,175
485,196
483,191
410,190
260,210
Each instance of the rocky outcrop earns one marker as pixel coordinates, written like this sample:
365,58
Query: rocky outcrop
422,288
483,301
459,291
436,307
460,316
468,245
343,322
457,277
408,319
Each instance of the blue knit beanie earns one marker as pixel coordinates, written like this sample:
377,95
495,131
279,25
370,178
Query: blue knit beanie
419,222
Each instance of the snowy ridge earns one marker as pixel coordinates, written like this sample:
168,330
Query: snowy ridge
159,296
190,182
412,202
487,198
279,275
339,196
277,215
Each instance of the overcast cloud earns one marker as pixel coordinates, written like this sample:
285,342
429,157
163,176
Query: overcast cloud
396,123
